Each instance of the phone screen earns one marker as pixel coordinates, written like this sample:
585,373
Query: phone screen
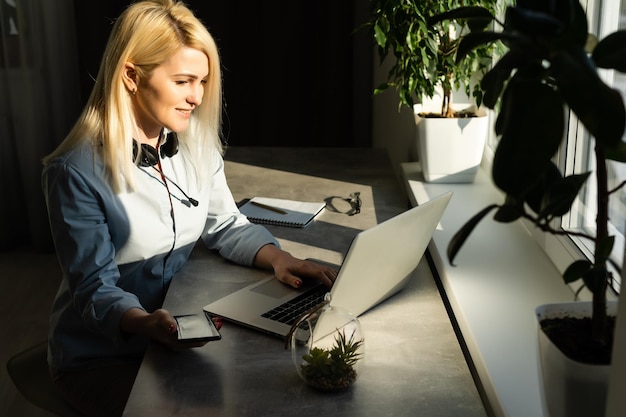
196,327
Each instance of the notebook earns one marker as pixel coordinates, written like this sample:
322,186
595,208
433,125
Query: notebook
281,212
378,263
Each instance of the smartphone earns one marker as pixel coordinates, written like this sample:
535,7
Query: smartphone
196,328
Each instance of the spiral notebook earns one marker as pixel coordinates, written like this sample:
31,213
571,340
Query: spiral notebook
281,212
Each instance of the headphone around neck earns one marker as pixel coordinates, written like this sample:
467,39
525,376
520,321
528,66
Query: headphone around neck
149,156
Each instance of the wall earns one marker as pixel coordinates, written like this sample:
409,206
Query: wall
393,128
295,73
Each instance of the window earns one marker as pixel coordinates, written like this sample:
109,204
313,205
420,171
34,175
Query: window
578,157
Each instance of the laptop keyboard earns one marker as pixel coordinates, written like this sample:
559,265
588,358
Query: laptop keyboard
293,309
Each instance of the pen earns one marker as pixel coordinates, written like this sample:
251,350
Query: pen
266,207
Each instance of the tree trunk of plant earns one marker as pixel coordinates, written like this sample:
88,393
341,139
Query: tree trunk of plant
599,320
446,106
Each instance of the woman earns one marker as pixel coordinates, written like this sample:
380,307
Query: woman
135,184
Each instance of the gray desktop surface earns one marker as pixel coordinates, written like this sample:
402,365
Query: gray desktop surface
413,364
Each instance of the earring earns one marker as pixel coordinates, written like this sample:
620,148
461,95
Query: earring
133,91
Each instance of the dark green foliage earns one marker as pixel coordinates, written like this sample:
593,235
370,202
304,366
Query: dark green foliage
545,72
329,369
424,49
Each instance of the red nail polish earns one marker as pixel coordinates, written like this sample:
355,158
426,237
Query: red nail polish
298,283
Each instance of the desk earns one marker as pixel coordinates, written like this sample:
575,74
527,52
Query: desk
413,363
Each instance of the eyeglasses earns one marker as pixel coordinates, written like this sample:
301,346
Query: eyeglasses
354,200
355,203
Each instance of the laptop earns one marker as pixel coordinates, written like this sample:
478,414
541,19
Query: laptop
378,264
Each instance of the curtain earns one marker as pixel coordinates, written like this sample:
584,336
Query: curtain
39,101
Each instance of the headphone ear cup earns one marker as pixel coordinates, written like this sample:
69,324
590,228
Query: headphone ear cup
148,157
170,147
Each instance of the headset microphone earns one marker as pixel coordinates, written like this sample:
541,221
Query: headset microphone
189,200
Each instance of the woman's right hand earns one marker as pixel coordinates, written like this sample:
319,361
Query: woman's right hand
159,325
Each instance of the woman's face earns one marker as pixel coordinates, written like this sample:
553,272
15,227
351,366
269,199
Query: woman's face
175,88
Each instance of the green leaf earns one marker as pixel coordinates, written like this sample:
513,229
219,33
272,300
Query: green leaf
463,233
380,33
611,51
604,249
433,46
532,123
405,97
412,84
596,278
535,196
561,194
476,39
576,270
382,87
479,15
478,96
617,153
412,39
493,82
511,210
599,107
574,19
531,22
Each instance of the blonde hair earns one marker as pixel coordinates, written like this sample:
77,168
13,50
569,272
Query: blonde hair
147,33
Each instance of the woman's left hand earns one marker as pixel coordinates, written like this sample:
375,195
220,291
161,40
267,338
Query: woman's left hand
290,270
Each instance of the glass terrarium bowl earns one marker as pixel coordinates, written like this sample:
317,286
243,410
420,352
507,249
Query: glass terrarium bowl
327,348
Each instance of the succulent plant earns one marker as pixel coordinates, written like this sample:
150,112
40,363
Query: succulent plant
334,368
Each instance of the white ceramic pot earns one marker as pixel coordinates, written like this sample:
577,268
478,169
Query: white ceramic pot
570,388
450,150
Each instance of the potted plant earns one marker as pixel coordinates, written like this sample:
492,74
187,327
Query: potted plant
551,65
449,149
332,368
327,347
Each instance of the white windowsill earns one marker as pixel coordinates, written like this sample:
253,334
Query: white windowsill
500,276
